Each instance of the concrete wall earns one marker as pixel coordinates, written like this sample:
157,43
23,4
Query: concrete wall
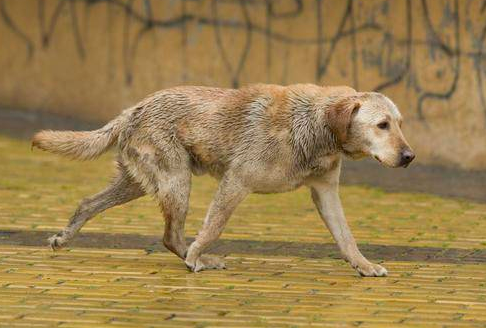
90,59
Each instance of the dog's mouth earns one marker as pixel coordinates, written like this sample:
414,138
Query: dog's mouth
353,155
386,164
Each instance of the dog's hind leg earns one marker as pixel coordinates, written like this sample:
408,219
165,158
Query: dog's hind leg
122,190
173,194
164,171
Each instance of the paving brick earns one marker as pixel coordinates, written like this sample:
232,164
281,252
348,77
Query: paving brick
143,290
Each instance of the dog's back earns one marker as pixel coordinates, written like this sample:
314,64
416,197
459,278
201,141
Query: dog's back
207,130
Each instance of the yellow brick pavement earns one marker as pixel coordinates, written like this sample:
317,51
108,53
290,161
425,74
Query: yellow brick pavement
97,288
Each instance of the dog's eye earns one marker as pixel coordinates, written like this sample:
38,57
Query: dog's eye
383,125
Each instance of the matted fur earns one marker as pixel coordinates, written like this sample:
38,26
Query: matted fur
81,145
257,139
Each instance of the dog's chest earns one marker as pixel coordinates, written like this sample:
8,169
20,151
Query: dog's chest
283,177
323,164
274,181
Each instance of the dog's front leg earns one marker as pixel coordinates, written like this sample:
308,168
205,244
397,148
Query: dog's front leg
229,194
326,199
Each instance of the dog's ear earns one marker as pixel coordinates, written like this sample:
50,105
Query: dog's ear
339,116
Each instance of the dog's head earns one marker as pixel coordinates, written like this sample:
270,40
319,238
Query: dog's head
369,124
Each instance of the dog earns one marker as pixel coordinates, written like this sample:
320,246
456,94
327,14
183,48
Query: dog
257,139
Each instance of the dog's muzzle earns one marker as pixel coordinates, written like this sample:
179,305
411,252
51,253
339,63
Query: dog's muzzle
406,157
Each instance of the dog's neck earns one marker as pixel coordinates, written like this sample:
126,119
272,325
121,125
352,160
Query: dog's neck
310,137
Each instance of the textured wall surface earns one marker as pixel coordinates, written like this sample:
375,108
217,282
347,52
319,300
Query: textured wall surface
90,59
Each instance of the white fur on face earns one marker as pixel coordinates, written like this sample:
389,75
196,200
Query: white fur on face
367,139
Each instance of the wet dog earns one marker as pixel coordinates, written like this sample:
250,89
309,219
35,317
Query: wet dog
256,139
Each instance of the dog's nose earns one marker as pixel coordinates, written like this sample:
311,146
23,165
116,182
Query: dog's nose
406,157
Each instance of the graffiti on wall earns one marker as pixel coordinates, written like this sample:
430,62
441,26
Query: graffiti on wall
425,46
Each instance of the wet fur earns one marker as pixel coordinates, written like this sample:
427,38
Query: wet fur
257,139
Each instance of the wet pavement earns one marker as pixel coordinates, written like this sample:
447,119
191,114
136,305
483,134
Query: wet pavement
283,269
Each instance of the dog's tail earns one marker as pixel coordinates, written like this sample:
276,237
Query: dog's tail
82,145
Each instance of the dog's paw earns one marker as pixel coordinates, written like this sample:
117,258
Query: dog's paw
57,241
206,262
368,269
